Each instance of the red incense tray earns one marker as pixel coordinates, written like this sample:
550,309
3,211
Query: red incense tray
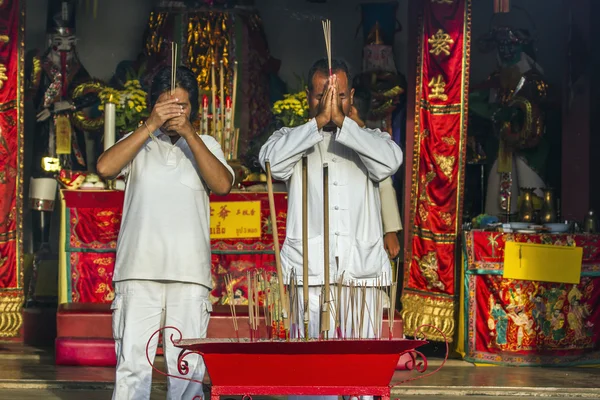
315,367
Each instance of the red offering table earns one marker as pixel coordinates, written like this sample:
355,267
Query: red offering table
522,322
241,239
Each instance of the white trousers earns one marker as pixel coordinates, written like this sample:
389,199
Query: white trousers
351,313
139,309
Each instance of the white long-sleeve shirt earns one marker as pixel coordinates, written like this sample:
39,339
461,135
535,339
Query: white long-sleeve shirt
357,159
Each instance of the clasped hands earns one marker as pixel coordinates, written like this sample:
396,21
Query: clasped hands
170,116
330,106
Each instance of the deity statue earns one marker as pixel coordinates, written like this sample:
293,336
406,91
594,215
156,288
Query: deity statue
513,100
379,73
59,87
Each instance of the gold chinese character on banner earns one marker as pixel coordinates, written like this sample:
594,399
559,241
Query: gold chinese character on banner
3,76
443,1
440,43
438,89
4,39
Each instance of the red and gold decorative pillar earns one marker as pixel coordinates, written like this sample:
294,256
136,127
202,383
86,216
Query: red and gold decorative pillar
12,17
442,84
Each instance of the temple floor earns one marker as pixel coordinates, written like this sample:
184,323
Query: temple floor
29,373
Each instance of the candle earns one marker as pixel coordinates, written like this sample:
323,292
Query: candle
234,91
213,89
222,98
204,118
109,124
227,130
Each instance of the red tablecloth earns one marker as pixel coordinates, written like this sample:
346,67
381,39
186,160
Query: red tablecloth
521,322
92,221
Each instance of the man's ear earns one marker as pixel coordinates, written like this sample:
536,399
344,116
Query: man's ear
352,96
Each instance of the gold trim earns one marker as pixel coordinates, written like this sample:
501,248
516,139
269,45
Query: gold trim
10,315
12,299
21,142
442,238
418,137
462,153
9,105
425,309
440,109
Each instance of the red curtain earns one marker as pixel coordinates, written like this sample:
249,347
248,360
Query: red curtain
11,166
438,165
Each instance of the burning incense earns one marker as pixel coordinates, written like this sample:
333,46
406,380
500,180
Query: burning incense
213,94
327,33
282,296
325,313
305,244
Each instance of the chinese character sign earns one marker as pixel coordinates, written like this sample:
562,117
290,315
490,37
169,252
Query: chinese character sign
235,220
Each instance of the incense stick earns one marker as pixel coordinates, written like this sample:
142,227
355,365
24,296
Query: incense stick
327,33
393,290
173,67
284,304
305,244
233,103
213,94
325,314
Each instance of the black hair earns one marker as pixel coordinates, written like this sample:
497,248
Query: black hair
362,102
322,66
184,79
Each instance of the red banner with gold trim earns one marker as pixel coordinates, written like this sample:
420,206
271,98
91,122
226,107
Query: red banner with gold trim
438,165
11,166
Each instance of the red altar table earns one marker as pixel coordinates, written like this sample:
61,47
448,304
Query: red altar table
90,227
519,322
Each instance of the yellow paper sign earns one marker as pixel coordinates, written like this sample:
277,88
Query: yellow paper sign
235,220
62,129
542,262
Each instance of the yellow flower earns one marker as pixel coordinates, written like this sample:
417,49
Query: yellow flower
130,104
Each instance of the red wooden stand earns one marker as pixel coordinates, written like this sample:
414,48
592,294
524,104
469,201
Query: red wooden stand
316,367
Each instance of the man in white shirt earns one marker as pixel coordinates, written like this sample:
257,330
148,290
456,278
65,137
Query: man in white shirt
390,214
162,272
358,159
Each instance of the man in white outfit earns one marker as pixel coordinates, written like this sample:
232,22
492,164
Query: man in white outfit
390,214
162,273
358,159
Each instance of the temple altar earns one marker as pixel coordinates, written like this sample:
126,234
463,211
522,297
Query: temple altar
523,322
241,239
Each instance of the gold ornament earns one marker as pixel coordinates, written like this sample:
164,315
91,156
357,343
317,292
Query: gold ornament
81,119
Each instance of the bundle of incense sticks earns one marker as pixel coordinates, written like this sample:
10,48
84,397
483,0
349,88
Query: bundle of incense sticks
231,299
222,110
327,33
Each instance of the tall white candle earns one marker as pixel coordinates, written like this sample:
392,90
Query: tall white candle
109,125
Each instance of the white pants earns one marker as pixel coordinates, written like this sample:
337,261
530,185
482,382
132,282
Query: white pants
351,316
139,309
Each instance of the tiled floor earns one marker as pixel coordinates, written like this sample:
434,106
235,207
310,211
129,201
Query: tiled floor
27,373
